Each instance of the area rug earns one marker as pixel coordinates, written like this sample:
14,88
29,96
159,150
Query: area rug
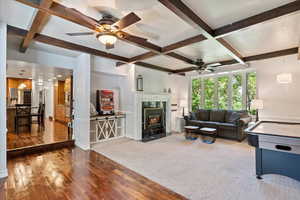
224,170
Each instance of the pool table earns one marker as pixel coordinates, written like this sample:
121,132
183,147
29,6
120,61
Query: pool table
277,148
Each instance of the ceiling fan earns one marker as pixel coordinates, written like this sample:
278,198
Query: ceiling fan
109,29
205,67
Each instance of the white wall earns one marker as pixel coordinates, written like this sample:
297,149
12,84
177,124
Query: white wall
49,99
156,81
281,102
3,38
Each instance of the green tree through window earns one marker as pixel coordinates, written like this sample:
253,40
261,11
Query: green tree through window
223,83
251,90
209,85
237,91
196,93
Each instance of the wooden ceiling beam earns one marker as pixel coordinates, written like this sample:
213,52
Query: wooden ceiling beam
75,47
273,54
183,43
64,44
257,19
155,67
180,57
63,12
37,25
143,56
167,50
188,15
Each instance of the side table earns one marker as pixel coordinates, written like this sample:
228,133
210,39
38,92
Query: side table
190,132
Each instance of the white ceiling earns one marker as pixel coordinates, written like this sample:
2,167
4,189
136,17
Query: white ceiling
20,69
162,27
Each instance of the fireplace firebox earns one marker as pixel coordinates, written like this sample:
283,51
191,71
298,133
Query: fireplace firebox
153,118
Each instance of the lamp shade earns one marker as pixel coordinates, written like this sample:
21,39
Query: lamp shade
257,104
284,78
183,103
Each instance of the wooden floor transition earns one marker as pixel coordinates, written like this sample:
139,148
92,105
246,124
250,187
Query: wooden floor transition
53,132
72,173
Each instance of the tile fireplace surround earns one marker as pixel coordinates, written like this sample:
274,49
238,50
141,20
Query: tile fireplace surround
141,97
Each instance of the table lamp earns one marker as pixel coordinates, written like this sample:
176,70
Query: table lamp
183,104
257,104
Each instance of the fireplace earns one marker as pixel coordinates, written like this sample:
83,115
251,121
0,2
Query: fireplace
153,120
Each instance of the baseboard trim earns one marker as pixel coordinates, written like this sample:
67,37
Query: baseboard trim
39,148
83,147
3,173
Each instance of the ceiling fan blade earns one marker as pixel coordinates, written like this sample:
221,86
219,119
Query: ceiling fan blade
126,21
80,34
213,65
124,35
93,24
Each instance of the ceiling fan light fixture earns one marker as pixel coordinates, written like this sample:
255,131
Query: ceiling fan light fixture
107,39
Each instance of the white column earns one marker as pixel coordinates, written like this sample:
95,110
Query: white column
3,39
82,78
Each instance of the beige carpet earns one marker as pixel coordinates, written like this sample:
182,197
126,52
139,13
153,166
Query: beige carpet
224,170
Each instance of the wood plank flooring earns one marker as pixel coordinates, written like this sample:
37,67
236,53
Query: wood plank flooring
53,132
72,173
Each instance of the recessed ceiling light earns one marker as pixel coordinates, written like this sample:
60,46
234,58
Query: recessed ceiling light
54,78
59,76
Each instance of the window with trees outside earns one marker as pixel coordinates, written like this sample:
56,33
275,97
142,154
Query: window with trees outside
209,91
223,86
251,90
196,91
233,90
237,92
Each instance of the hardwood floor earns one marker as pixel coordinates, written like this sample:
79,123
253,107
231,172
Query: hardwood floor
76,174
53,132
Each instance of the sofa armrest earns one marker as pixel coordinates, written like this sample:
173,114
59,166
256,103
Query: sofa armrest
187,117
244,121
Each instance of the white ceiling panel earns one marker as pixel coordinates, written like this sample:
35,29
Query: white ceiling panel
217,13
279,34
167,62
16,14
207,50
19,69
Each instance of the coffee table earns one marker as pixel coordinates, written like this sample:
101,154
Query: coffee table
208,135
190,132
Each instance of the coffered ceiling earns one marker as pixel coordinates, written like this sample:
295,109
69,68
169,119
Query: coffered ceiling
163,26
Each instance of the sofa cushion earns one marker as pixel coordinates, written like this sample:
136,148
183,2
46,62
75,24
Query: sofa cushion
202,114
227,125
217,115
233,116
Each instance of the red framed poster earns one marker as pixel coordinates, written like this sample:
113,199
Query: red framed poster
105,102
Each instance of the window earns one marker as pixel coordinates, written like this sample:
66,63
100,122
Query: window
237,92
223,84
196,93
251,90
227,91
209,88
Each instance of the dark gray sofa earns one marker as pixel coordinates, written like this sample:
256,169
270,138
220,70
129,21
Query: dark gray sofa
230,124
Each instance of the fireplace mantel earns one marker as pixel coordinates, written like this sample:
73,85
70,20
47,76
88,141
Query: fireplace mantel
137,115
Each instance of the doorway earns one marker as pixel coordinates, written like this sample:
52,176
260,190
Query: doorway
39,105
